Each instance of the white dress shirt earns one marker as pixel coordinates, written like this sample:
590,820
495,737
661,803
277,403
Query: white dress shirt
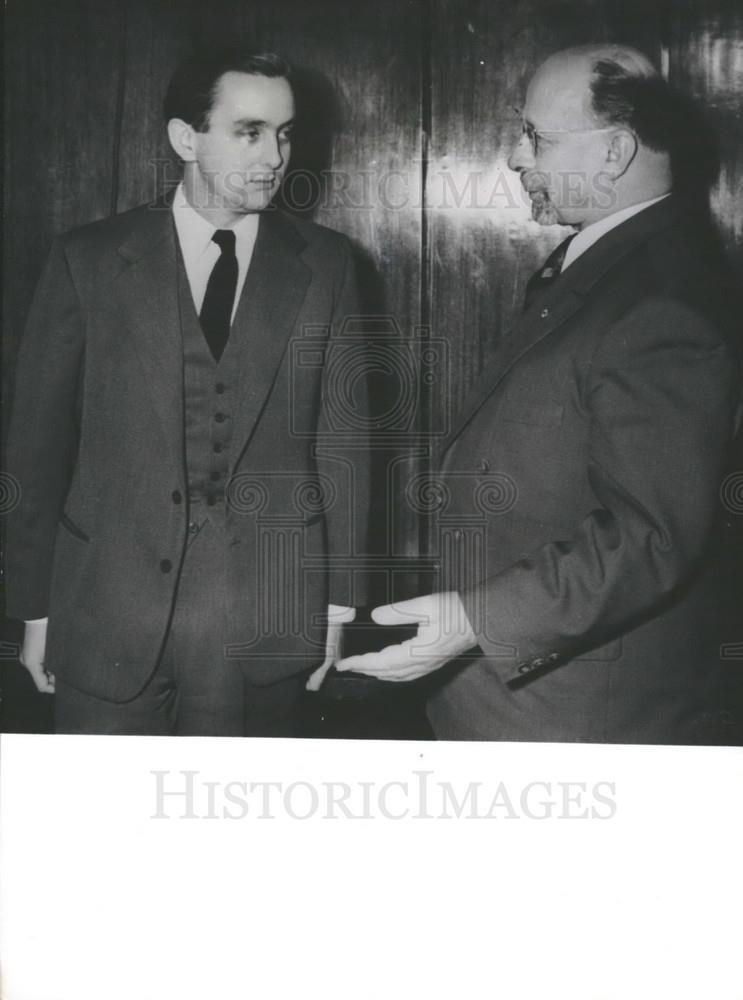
200,253
588,236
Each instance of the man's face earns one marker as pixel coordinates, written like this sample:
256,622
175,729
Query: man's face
561,154
243,155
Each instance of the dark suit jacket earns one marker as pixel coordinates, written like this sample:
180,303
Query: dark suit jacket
97,444
583,476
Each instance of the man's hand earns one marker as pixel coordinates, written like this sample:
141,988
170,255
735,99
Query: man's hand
337,618
32,655
444,632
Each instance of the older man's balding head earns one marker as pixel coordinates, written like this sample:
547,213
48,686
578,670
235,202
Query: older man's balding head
599,120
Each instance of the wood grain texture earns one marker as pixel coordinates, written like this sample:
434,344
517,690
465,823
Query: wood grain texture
157,35
356,167
705,60
62,76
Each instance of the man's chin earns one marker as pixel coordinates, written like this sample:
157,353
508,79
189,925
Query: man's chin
253,200
254,204
543,210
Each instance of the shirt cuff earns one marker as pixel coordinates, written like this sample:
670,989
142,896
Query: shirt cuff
339,615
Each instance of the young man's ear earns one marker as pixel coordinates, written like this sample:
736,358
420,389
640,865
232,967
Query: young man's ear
182,139
621,152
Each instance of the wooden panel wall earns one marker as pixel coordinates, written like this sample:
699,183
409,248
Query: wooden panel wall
62,76
705,59
361,105
157,35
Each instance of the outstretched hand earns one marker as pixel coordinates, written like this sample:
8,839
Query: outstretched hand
444,631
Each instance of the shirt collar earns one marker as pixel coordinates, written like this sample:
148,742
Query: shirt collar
588,236
195,233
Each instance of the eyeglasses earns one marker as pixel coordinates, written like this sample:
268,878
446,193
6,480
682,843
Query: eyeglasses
534,134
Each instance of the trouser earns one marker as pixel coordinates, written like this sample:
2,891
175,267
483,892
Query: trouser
195,690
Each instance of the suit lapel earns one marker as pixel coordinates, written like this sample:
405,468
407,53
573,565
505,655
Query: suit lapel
275,287
529,331
149,286
559,303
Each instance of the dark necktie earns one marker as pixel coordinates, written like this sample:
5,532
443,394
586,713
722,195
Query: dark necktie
216,310
547,273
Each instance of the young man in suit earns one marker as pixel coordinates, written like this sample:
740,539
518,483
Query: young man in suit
191,509
582,474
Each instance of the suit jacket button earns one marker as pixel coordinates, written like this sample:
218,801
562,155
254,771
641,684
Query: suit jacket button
176,496
544,313
166,565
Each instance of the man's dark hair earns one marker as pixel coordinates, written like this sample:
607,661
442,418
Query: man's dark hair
644,103
192,89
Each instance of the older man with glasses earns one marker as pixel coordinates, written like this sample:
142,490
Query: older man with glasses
584,609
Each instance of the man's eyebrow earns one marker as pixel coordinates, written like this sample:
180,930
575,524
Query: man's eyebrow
258,123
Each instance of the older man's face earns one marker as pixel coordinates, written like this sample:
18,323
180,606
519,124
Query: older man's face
562,152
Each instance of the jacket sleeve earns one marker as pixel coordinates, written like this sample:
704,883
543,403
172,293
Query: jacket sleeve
343,444
660,399
43,434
